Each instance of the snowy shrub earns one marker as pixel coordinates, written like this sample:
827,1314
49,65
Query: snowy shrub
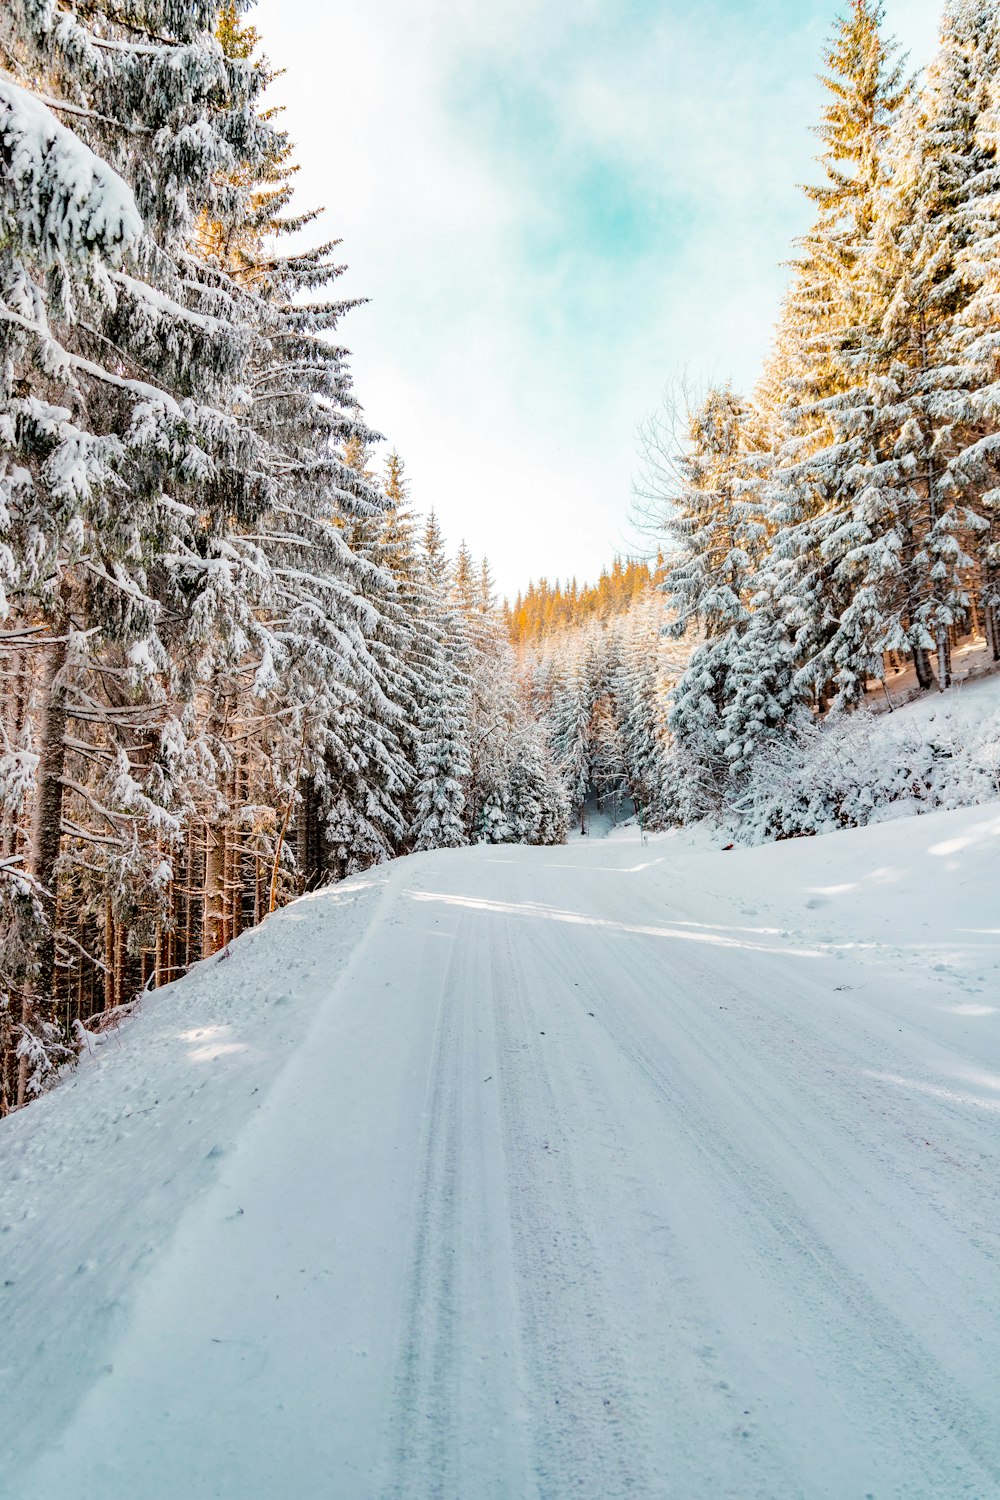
864,768
494,821
42,1048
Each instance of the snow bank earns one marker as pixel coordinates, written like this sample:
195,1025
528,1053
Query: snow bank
910,900
942,751
94,1177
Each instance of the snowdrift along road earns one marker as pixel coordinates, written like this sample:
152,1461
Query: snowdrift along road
600,1171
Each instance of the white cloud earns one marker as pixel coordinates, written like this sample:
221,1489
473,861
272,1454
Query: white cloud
512,379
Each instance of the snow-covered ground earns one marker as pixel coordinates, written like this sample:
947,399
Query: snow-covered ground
972,699
938,753
970,660
622,1169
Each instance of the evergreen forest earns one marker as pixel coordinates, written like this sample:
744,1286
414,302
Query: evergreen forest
236,663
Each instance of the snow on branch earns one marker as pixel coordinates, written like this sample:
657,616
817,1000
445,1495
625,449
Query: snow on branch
67,360
58,199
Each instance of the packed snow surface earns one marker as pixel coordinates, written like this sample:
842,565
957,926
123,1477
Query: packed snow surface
622,1169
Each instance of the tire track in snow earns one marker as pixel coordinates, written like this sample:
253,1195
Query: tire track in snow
953,1437
633,1318
423,1414
588,1438
459,1380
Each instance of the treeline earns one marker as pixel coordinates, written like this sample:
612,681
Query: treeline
232,665
546,607
600,694
845,519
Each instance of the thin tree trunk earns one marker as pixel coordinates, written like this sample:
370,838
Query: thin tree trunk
81,937
213,915
171,957
119,963
227,892
109,955
158,937
188,887
944,673
46,832
273,898
301,840
12,828
922,662
238,859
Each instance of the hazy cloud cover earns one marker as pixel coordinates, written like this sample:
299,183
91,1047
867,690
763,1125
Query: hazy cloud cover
553,211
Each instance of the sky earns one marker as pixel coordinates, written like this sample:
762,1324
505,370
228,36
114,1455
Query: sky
555,212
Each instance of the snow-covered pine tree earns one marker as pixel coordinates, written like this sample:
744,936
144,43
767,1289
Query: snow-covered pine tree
720,533
320,785
599,689
494,706
905,536
827,319
443,765
639,688
366,771
608,769
974,339
207,648
68,221
119,371
714,522
419,601
573,694
763,700
537,808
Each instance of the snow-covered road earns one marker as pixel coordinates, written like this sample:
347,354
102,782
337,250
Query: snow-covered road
614,1170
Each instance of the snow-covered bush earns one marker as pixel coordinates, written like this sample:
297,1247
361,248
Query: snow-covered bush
865,768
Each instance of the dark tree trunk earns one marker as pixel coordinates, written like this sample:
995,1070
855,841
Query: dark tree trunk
46,832
925,672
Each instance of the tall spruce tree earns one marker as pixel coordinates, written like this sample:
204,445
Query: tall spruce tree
907,539
443,766
827,323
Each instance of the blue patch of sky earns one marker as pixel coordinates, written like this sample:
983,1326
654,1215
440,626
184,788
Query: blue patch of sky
601,231
585,203
556,208
607,227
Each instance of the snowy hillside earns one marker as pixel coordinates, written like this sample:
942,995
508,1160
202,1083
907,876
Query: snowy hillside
972,704
617,1169
941,751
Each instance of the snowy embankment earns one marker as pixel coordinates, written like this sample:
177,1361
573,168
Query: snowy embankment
620,1169
940,751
